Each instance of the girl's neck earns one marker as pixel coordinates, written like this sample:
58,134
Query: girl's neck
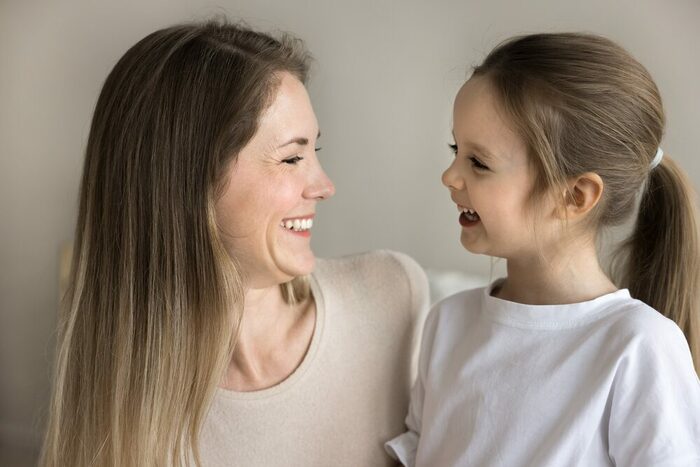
571,275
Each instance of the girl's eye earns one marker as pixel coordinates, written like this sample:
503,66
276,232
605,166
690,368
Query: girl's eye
476,163
453,147
317,149
293,160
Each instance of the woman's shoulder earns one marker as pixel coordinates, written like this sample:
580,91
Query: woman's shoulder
370,266
376,276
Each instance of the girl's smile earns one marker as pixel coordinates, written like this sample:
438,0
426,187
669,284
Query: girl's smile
467,217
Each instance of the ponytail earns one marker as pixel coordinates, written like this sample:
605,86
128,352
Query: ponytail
663,267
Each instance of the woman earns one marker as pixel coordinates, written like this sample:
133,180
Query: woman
192,308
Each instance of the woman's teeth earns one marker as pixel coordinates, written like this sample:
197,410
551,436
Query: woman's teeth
298,225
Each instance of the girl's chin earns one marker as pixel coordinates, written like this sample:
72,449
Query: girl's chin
473,247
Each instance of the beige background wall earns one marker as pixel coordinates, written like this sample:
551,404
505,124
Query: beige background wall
385,77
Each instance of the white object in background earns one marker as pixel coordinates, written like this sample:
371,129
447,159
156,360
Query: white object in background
444,283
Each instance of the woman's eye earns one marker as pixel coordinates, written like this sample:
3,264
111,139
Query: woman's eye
453,147
293,160
317,149
476,163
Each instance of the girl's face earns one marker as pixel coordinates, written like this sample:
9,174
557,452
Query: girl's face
490,179
273,187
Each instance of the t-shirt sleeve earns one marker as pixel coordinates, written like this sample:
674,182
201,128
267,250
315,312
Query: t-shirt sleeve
404,447
655,402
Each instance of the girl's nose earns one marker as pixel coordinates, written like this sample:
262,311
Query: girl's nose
451,179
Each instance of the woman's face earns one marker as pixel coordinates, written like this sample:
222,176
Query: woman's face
273,187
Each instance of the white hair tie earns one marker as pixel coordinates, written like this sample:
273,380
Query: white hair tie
657,159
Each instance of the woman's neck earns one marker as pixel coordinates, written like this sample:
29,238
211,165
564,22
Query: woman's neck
273,339
566,274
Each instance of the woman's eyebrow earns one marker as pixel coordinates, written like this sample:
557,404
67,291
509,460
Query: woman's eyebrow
298,140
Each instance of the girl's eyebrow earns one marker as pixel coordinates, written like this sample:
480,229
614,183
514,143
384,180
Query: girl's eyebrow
480,148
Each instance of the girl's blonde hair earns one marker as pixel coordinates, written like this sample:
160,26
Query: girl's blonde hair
154,301
583,104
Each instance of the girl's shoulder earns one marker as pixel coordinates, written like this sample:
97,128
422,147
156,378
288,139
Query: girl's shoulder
647,344
635,321
455,311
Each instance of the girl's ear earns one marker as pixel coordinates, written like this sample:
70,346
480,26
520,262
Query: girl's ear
583,194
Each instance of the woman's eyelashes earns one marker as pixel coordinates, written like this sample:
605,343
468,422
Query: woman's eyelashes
476,163
296,159
293,160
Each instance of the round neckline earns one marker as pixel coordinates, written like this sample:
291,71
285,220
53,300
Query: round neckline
291,380
549,316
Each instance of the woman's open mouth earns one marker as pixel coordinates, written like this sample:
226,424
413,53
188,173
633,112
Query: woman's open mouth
299,226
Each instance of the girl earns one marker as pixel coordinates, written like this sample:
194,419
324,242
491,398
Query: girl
555,365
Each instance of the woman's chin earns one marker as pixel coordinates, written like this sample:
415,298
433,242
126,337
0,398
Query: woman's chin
298,265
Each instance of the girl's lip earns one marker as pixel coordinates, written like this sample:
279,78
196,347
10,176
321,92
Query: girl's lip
464,222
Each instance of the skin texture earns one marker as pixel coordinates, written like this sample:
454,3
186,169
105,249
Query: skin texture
276,176
549,248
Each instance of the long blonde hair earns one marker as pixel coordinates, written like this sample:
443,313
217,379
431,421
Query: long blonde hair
153,305
583,104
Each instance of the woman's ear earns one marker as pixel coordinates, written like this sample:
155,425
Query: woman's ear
583,194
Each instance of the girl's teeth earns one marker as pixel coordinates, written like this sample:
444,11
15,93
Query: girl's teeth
470,214
289,225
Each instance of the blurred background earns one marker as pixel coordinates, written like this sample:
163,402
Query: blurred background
382,87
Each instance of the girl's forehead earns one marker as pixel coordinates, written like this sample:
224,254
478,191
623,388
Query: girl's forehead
480,121
476,98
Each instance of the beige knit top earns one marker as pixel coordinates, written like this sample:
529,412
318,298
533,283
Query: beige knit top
350,393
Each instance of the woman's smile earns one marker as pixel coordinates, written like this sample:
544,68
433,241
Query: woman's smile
300,226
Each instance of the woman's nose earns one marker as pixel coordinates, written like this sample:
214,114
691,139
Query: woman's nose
451,179
321,187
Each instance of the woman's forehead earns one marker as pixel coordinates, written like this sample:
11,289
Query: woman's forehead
290,115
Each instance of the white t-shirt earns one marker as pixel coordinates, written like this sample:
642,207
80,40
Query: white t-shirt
604,382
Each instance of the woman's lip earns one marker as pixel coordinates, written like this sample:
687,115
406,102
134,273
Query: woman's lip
300,233
304,217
